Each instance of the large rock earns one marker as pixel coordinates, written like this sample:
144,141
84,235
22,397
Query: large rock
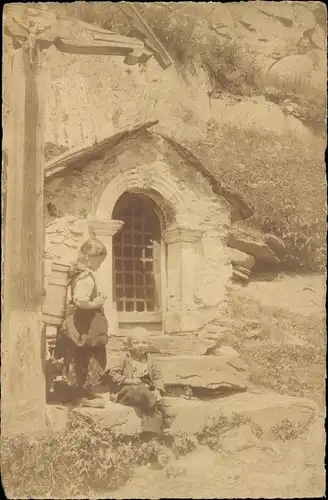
242,259
266,410
201,372
247,243
240,276
236,440
209,372
275,244
166,345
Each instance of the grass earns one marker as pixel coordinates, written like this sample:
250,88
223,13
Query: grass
297,370
84,460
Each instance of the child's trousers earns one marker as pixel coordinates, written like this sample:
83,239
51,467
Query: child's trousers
156,415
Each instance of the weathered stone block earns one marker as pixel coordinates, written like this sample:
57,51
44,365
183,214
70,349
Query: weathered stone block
243,259
246,243
211,372
166,345
200,372
238,439
266,410
173,345
275,244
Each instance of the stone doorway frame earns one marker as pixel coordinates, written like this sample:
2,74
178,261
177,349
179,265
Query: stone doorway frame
179,238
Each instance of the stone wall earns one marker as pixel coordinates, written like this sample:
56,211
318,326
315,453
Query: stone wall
185,199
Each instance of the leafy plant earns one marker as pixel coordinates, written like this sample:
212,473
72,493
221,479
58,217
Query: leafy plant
212,431
287,430
305,241
81,460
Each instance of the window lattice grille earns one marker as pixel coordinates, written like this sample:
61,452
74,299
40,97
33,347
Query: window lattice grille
135,255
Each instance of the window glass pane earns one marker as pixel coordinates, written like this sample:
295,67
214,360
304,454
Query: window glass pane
118,264
137,225
128,279
138,279
149,253
138,265
129,306
140,306
128,265
127,238
148,266
138,239
138,252
127,251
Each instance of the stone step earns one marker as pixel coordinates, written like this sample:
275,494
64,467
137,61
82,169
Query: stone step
267,410
166,345
222,372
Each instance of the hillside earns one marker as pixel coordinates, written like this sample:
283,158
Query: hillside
249,102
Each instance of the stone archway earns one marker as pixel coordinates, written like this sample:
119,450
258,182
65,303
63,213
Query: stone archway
178,236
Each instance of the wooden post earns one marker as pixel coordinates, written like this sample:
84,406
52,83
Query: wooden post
23,393
22,339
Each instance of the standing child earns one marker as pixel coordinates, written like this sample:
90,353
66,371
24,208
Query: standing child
140,384
83,335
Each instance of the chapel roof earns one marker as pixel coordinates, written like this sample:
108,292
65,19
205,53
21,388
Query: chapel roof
89,152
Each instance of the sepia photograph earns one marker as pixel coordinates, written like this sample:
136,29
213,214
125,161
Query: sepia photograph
164,224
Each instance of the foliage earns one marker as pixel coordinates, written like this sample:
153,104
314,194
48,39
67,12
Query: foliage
305,242
51,151
297,370
212,431
189,33
287,430
79,461
282,178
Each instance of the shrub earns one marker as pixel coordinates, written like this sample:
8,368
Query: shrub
81,460
282,179
305,241
296,370
287,430
212,431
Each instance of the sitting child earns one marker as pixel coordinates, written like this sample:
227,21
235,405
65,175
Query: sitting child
140,384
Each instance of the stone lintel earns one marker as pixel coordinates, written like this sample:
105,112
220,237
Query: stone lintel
182,234
104,227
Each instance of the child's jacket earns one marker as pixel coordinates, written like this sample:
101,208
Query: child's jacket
124,370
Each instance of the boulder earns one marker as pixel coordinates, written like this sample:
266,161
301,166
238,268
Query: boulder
228,351
265,409
248,244
199,372
56,417
166,345
238,275
208,372
275,244
242,259
241,438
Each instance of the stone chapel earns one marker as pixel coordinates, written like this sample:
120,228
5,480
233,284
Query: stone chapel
164,219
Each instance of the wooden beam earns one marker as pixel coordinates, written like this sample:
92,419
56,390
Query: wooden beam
23,408
161,54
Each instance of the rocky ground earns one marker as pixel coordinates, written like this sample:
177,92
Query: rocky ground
288,463
268,470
